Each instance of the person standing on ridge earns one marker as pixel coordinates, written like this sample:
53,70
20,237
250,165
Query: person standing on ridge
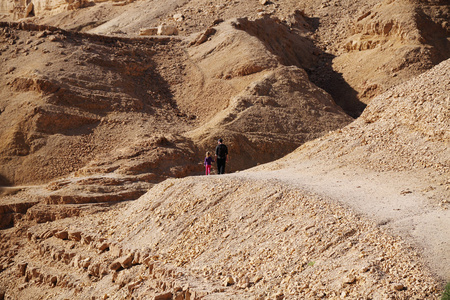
221,156
208,162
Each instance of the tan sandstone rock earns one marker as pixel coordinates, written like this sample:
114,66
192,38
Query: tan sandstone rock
148,31
167,30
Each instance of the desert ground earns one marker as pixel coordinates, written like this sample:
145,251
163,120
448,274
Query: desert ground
336,114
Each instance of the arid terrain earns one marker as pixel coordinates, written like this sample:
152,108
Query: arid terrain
336,114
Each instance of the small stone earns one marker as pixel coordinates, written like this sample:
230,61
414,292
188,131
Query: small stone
229,280
148,31
103,247
11,69
365,269
53,280
217,21
320,295
167,30
63,235
256,278
126,261
349,279
75,236
398,287
178,17
244,282
278,296
115,265
164,296
85,263
87,239
21,268
137,259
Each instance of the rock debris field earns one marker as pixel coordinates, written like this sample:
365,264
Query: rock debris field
336,115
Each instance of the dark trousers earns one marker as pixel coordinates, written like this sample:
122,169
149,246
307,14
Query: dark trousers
221,165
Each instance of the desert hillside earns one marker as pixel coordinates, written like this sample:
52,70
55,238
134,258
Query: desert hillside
336,114
82,89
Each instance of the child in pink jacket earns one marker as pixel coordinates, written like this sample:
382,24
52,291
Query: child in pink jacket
208,163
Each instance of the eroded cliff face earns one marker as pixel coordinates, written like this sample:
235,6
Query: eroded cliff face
18,9
6,7
390,41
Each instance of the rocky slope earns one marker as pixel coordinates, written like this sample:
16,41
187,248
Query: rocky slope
402,137
92,114
405,129
214,238
258,235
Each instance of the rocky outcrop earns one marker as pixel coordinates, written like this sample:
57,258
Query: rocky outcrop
387,22
88,255
19,9
12,213
26,8
390,40
62,101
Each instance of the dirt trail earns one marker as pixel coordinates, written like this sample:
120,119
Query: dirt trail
396,201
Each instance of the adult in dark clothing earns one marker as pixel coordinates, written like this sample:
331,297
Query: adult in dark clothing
221,156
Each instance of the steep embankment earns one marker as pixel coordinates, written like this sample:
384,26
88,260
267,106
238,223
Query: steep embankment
389,42
405,129
67,99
